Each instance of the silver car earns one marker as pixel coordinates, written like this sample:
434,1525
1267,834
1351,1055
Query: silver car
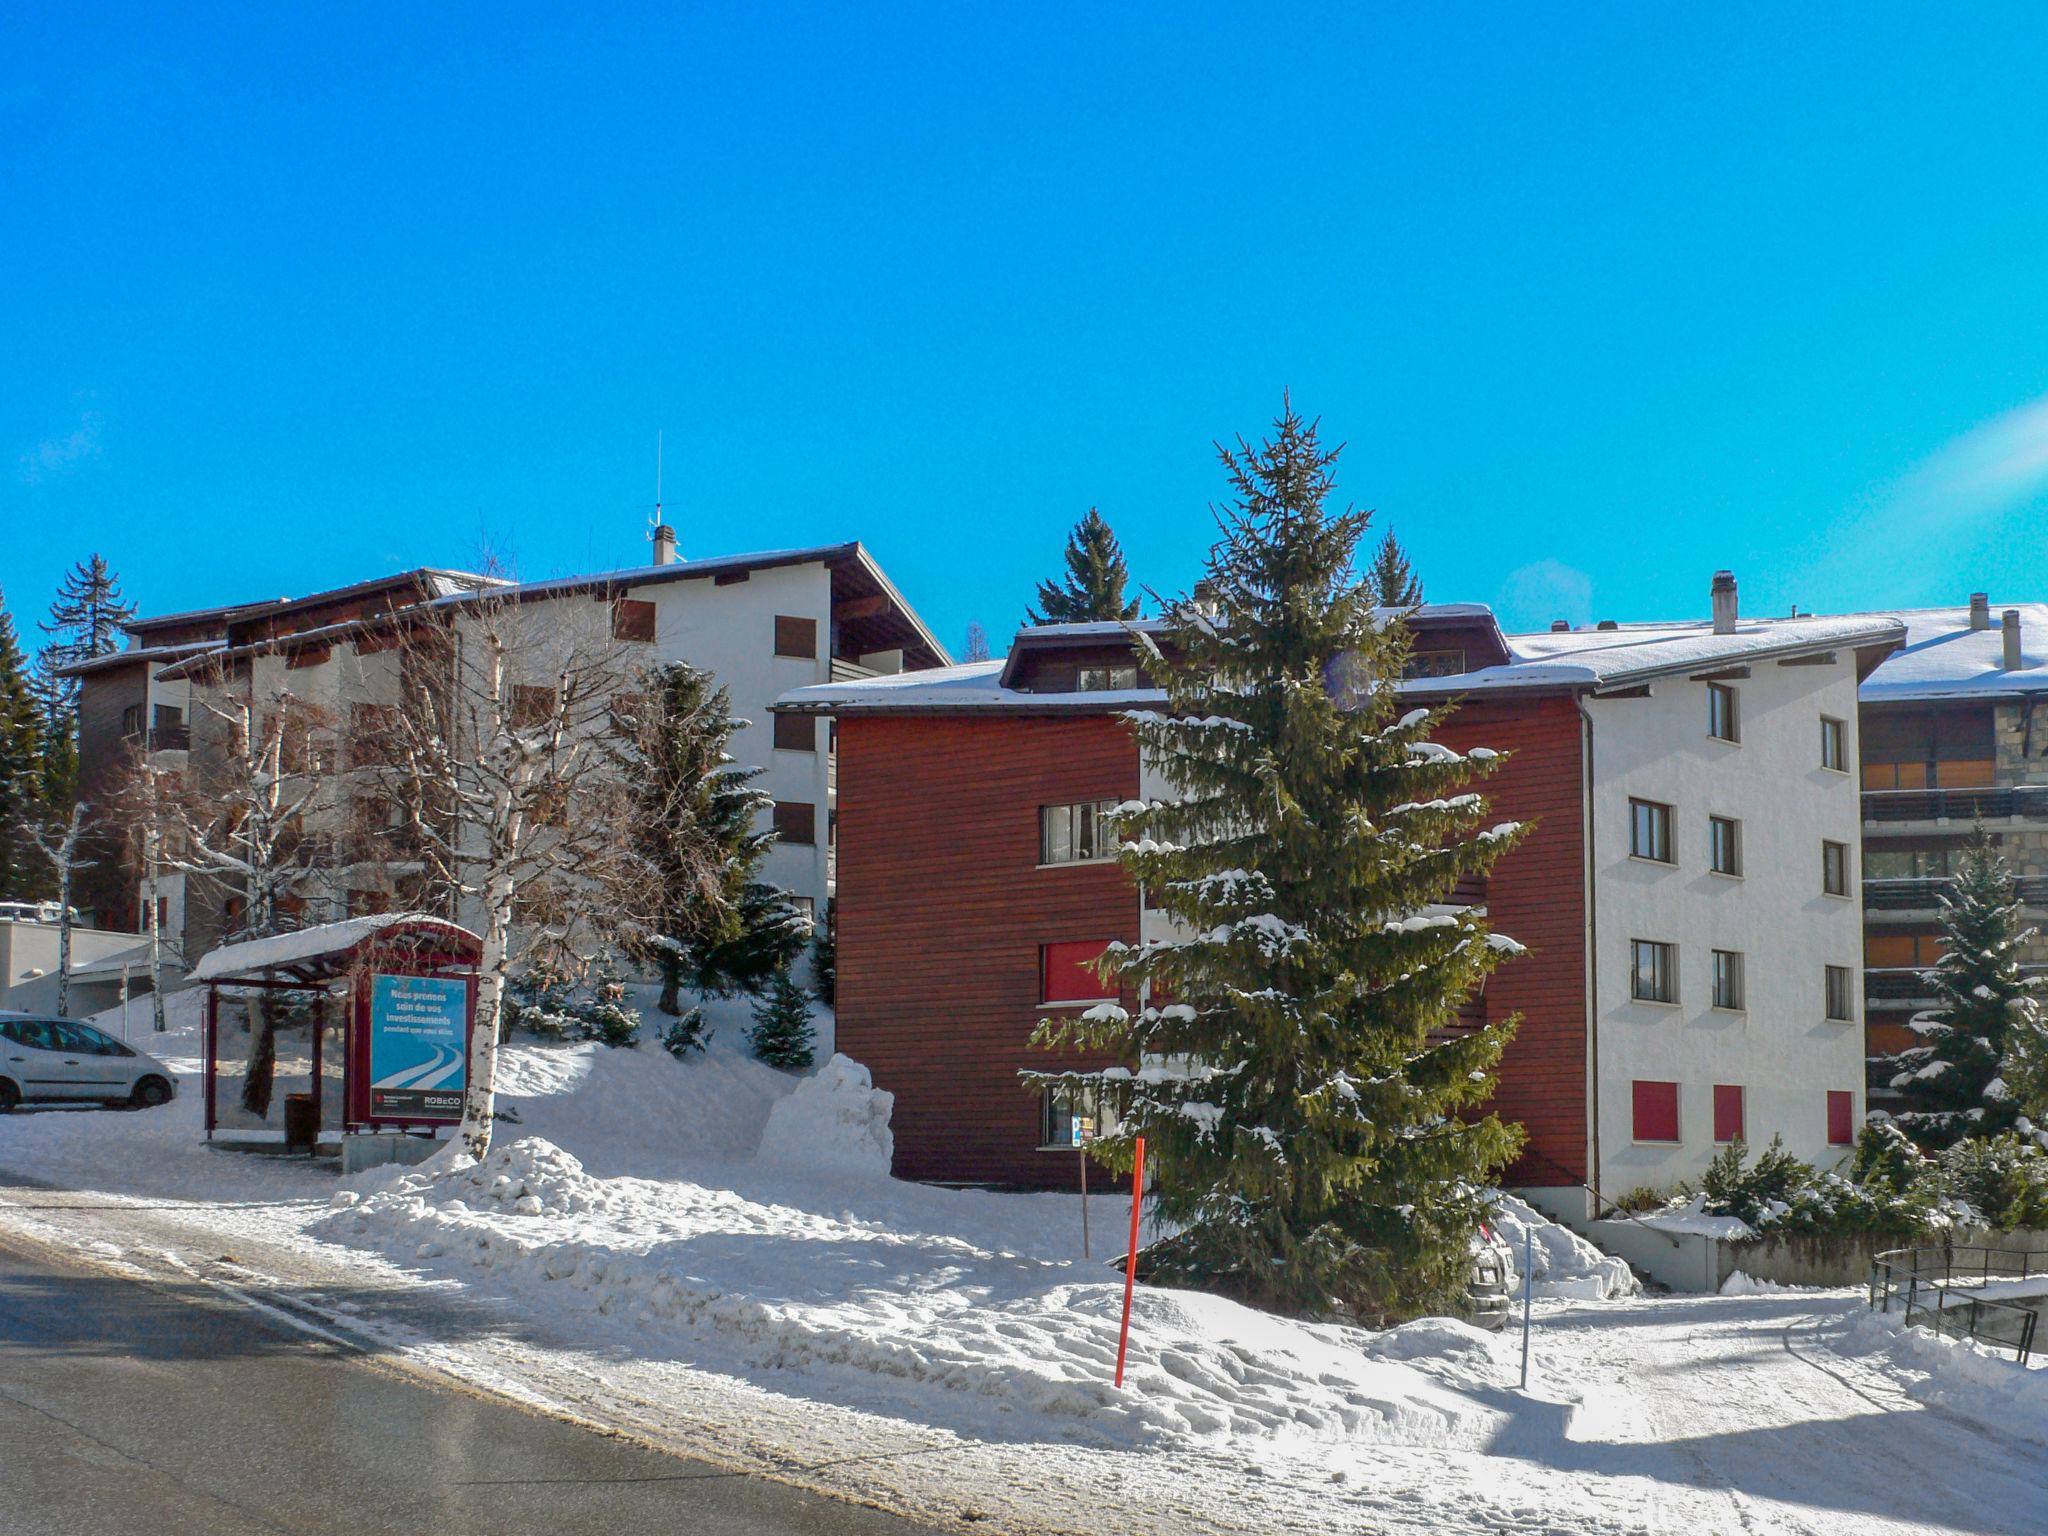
63,1061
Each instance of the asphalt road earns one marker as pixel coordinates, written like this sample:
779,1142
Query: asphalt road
131,1406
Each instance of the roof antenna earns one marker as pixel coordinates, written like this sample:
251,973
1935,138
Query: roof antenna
659,531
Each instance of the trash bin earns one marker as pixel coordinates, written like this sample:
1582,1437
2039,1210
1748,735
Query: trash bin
301,1121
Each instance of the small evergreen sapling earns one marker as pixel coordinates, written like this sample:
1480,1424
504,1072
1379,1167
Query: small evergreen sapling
686,1034
1312,1103
1951,1082
782,1035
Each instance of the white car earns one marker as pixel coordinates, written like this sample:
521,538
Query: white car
64,1061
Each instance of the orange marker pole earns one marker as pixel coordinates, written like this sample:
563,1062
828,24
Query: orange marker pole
1123,1337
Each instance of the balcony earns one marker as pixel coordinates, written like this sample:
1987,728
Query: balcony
170,738
1905,810
845,671
1902,987
1922,897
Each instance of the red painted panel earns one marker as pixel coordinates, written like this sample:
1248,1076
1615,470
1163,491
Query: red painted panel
1841,1117
1067,971
1656,1111
1728,1112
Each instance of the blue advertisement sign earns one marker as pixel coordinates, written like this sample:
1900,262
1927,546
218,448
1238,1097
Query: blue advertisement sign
419,1047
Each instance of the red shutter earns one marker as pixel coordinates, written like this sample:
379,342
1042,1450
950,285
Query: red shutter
1656,1107
1065,973
1728,1112
1841,1117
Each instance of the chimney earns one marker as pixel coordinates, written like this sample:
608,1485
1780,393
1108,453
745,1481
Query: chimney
664,544
2013,660
1560,626
1724,602
1980,610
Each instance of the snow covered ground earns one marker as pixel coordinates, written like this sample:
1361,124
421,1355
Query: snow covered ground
709,1254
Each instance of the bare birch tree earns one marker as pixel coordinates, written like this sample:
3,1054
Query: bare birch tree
137,811
510,758
61,849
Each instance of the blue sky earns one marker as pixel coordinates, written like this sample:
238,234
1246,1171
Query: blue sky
1600,297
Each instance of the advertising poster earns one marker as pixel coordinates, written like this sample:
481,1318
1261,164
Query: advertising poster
419,1052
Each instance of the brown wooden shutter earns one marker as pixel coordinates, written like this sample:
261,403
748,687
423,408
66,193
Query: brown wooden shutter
796,733
796,637
633,619
796,821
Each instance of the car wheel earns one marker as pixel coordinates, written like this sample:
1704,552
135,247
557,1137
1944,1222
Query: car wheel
9,1096
150,1092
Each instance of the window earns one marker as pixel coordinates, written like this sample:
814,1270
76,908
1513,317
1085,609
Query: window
1649,830
806,905
1841,1117
1071,834
1728,979
1728,1112
1834,868
796,733
1066,972
1106,679
796,821
1656,1111
131,720
796,637
1841,998
1434,664
1072,1117
1724,845
1724,723
1654,977
1834,744
632,619
1902,950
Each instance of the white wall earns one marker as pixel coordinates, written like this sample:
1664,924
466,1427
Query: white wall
1781,1049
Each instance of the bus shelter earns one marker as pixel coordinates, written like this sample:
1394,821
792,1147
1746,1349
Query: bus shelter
373,1014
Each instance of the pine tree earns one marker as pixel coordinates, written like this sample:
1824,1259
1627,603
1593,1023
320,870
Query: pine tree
1310,1102
24,875
1951,1080
782,1035
85,621
718,926
1096,575
1393,579
825,959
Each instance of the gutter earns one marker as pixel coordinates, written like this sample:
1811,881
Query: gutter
1592,956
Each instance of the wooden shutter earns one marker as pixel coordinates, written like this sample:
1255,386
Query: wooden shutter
1656,1111
796,637
1065,974
796,733
796,821
632,619
1841,1117
1728,1112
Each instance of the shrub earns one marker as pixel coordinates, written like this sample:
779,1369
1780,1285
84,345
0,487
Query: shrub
2002,1180
1885,1190
685,1034
542,1002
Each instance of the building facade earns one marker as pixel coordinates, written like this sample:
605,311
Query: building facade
1667,1005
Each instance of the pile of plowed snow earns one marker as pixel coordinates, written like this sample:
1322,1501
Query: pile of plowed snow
1566,1265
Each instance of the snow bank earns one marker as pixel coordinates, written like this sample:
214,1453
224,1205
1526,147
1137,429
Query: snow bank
1567,1266
1739,1284
836,1121
1980,1383
1691,1217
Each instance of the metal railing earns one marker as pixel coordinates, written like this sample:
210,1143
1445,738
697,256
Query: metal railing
1924,894
1912,984
1995,803
1934,1289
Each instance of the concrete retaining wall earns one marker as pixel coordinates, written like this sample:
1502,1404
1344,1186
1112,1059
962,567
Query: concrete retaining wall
1687,1261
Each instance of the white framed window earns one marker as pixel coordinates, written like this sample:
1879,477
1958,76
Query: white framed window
1075,833
1834,744
1653,971
1724,845
1724,713
1841,994
1728,979
1834,868
1649,831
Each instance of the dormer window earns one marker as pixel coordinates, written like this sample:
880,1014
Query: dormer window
1434,664
1106,679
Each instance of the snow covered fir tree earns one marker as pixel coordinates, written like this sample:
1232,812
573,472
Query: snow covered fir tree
1952,1082
1312,1108
1093,586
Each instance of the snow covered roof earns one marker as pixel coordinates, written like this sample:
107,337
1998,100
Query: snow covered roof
1593,660
134,654
1944,658
326,942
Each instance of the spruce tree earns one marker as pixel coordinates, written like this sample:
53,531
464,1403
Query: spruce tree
1310,1100
1951,1081
1394,582
717,925
24,875
1096,575
782,1035
85,621
825,959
